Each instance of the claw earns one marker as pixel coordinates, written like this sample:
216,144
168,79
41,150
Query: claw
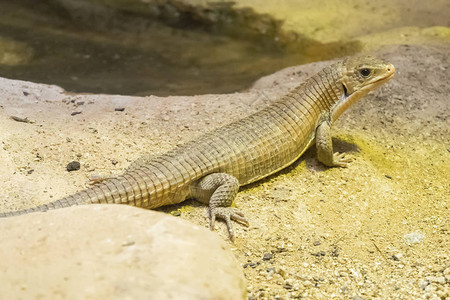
97,179
227,214
212,217
340,160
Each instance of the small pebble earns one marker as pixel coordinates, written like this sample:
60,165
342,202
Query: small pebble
251,264
75,113
439,279
413,238
423,283
307,283
73,166
397,256
281,272
319,254
335,252
316,243
127,244
119,108
287,286
176,213
268,256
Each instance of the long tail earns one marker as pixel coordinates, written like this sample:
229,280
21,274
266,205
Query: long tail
75,199
124,189
40,208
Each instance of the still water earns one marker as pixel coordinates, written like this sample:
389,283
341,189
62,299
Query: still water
111,51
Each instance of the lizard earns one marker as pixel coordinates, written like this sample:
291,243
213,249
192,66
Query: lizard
212,167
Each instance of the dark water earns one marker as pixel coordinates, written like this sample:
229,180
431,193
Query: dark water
109,50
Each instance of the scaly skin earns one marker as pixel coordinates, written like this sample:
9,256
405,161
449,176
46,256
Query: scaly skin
214,166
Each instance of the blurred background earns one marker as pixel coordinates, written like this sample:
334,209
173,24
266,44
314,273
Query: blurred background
175,47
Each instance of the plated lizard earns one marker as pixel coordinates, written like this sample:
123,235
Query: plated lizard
212,167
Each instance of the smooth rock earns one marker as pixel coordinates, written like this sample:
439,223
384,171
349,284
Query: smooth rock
114,252
73,166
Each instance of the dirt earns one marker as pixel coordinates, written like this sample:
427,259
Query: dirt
378,229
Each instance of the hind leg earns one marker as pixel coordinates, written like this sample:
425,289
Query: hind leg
219,190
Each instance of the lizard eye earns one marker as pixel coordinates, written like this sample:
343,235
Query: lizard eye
364,72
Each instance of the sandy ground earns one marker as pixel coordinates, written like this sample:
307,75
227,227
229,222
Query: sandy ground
378,229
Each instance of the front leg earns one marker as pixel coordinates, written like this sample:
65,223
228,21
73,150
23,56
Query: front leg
219,190
324,147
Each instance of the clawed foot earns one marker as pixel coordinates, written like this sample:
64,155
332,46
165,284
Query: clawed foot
97,179
227,214
341,160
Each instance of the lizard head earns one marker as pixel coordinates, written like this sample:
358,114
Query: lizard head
360,75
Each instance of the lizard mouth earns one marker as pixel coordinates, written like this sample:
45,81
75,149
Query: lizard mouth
390,72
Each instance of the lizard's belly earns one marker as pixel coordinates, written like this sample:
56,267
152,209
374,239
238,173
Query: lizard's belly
271,163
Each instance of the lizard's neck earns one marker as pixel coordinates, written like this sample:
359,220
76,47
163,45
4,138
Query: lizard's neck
321,95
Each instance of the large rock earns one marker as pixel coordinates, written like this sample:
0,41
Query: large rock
108,252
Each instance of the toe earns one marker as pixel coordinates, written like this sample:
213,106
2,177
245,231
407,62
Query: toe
239,217
228,214
231,234
212,217
341,160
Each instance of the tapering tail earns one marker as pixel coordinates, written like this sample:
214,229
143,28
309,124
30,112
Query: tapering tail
64,202
121,190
